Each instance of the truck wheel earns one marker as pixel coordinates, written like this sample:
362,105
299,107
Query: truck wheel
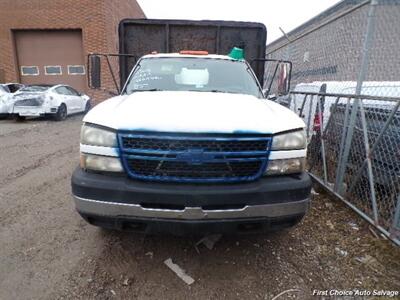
19,118
61,113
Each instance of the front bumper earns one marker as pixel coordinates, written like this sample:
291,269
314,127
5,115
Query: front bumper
113,209
119,202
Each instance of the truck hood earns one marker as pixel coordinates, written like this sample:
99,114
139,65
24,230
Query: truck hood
201,112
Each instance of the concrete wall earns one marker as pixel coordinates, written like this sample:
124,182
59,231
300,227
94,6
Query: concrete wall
333,51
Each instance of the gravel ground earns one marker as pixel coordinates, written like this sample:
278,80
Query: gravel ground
48,252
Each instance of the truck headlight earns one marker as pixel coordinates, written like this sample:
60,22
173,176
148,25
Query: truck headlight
100,163
286,166
289,141
94,136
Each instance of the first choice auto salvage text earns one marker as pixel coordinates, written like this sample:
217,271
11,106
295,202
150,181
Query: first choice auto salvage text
356,292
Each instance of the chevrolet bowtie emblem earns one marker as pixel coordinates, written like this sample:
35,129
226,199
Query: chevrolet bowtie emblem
195,156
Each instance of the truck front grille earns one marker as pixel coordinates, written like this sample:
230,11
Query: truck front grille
206,145
194,158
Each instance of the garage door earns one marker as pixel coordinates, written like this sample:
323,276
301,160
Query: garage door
51,56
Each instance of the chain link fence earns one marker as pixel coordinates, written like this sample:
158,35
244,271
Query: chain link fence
346,87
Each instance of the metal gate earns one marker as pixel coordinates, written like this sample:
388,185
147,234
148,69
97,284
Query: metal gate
346,87
354,152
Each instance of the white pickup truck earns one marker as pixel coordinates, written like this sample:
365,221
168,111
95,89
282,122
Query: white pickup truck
192,145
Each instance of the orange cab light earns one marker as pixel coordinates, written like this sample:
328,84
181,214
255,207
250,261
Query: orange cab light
194,52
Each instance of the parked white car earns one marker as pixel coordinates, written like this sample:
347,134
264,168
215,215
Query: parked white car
6,92
58,101
309,109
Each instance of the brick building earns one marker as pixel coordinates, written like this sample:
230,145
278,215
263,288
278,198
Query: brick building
329,47
46,41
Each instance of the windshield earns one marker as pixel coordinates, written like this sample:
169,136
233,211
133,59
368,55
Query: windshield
35,88
193,74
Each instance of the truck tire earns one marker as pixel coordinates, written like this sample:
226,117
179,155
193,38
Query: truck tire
19,118
61,114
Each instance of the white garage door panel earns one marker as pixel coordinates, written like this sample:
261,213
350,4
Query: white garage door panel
53,53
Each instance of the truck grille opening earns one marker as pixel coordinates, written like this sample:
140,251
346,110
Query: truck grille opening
185,170
194,159
182,144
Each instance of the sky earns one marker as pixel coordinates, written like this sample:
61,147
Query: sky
287,14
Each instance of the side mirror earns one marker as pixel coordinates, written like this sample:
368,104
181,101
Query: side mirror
284,78
95,71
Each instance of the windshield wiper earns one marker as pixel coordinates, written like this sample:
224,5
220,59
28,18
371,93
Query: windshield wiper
219,91
148,90
209,91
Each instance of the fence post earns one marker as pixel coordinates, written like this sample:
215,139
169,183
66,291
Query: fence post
322,139
396,219
341,146
289,45
309,116
361,77
368,154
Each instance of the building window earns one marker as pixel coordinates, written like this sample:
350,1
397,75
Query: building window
29,71
52,70
76,70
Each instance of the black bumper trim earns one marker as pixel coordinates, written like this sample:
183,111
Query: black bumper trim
266,190
189,227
